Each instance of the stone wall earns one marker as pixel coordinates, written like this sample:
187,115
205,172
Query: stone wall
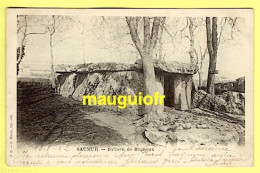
178,89
227,102
76,85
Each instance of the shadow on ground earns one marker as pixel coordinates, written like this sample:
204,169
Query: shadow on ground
43,118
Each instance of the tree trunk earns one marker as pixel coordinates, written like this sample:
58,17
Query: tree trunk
52,66
192,50
158,49
21,49
199,73
148,69
83,48
212,49
160,38
146,51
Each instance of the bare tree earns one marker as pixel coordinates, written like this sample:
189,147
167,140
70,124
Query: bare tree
82,33
52,30
228,27
186,28
82,27
191,31
111,34
54,26
212,44
146,50
158,51
193,24
24,30
199,62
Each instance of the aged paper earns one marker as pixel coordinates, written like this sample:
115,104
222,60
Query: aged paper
55,56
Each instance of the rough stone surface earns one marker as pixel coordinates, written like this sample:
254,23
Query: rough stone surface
67,68
199,127
161,138
170,67
108,84
159,84
178,91
116,79
228,102
108,66
68,87
236,86
159,65
76,85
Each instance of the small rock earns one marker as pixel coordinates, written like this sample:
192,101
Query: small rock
156,137
187,125
173,128
179,127
177,124
202,126
151,126
172,139
165,128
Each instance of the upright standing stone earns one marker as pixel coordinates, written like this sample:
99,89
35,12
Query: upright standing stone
67,88
177,91
186,93
159,88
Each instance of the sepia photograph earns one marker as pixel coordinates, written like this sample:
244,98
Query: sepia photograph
130,87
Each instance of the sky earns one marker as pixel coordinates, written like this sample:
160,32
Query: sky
108,39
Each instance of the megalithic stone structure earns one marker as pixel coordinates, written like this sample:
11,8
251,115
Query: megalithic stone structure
173,79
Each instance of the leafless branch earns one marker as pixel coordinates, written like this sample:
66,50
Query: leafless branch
54,44
134,33
155,30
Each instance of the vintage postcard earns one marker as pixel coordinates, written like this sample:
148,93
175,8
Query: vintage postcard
129,87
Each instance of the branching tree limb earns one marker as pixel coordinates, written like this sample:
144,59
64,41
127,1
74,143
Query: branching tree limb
146,51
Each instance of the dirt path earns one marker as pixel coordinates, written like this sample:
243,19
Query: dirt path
120,123
44,119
